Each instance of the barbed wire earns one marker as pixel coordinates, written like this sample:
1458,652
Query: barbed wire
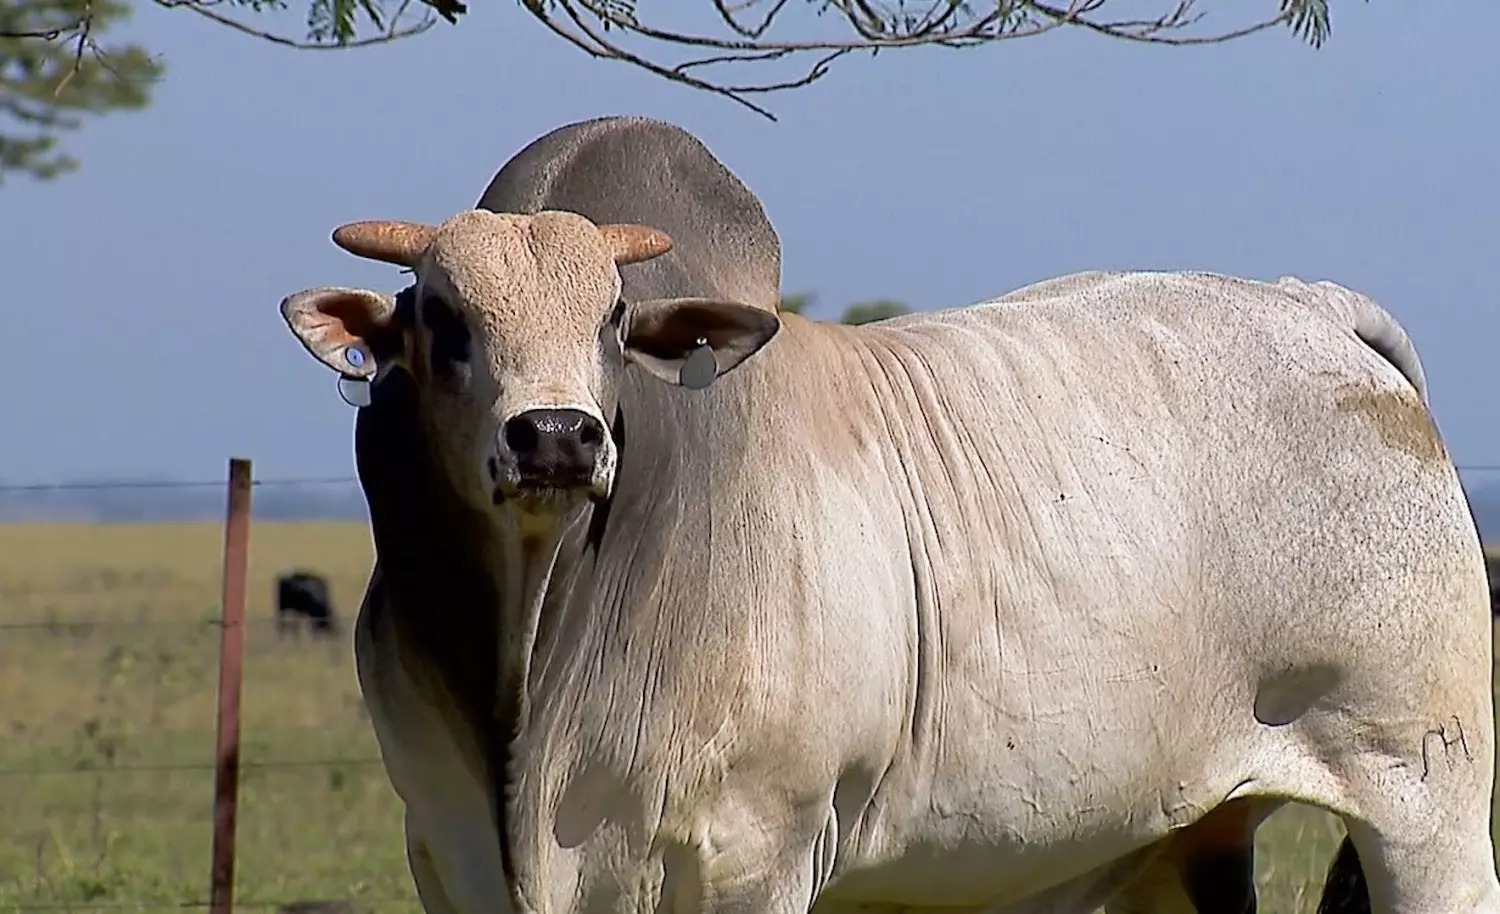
61,626
172,484
75,626
280,730
182,588
333,480
132,768
292,903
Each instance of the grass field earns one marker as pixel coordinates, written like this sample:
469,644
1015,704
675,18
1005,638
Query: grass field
120,674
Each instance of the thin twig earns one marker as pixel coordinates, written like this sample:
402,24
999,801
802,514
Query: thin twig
727,12
400,12
86,24
602,48
44,34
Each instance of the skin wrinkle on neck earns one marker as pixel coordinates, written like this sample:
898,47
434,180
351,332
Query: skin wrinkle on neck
567,569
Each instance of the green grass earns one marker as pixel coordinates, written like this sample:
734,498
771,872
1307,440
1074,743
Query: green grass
135,693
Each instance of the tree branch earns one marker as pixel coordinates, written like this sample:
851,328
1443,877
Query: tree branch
607,29
51,33
875,26
393,32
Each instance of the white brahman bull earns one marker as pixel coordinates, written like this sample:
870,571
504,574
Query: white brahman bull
975,610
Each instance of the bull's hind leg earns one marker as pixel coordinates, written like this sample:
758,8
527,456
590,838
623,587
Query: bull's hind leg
1415,790
1416,857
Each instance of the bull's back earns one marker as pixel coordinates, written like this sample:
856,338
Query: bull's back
1169,464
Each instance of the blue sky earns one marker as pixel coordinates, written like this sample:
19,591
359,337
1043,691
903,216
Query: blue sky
142,328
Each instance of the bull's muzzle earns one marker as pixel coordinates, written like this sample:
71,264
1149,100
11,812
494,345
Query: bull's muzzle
550,450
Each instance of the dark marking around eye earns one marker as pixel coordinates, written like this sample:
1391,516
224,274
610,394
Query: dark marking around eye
406,304
450,338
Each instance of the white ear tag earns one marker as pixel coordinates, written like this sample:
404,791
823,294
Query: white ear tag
355,391
700,367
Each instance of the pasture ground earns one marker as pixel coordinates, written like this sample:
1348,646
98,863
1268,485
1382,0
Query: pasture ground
108,653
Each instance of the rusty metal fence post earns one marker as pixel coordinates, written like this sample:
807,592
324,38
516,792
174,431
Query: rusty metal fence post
231,672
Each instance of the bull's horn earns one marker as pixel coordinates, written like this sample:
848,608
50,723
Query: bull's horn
634,243
400,243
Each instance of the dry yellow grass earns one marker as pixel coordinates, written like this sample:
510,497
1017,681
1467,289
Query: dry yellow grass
123,676
137,691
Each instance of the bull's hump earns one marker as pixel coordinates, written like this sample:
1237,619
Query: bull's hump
650,172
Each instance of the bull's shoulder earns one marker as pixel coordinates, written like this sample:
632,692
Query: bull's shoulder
437,736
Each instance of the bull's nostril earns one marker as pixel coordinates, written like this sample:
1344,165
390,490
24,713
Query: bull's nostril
521,435
494,468
591,434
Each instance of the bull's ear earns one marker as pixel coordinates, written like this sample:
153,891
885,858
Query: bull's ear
692,341
351,331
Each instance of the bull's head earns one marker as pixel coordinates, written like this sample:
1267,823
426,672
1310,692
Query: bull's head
517,336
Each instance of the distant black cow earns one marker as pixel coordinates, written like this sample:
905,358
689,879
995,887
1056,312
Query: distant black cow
304,595
1492,566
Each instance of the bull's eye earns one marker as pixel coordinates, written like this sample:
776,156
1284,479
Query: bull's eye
450,338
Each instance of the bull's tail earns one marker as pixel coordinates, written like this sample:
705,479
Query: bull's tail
1345,890
1369,321
1384,334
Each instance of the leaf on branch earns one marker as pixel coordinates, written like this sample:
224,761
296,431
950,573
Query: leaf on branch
31,155
333,20
448,9
259,6
1308,19
374,11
